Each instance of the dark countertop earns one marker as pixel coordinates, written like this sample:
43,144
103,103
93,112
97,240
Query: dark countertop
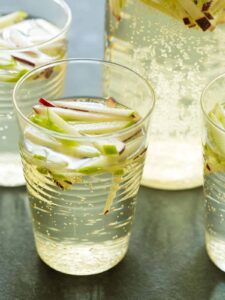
166,257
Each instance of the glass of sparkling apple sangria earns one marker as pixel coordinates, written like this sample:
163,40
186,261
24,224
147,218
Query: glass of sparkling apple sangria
31,34
213,107
83,155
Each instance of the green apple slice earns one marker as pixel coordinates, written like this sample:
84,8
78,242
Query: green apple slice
50,162
62,174
110,146
13,18
6,61
94,165
12,76
219,114
39,138
80,151
85,151
56,120
216,136
60,123
213,162
95,107
44,121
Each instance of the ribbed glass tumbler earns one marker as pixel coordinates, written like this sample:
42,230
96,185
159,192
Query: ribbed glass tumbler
83,155
32,33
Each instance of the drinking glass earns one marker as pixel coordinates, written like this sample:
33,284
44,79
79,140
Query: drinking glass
57,13
82,216
212,103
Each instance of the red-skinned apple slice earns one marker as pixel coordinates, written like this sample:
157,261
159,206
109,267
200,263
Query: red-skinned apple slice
94,107
76,115
44,102
32,59
111,102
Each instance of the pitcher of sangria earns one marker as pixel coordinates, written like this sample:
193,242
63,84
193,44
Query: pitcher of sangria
179,46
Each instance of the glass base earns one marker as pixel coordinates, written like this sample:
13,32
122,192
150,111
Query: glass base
216,250
11,172
81,259
173,166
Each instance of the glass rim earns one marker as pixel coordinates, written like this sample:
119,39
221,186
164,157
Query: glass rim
202,101
59,135
65,28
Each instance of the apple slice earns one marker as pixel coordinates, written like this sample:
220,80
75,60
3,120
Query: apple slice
133,147
219,113
55,119
60,123
95,107
10,19
94,165
4,44
12,75
29,32
48,161
80,151
110,147
44,102
216,135
66,179
39,30
6,61
24,60
32,58
213,162
112,194
45,26
76,115
38,138
110,102
102,127
131,134
116,7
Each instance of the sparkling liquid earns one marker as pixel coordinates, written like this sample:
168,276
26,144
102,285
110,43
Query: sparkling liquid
215,218
179,62
73,232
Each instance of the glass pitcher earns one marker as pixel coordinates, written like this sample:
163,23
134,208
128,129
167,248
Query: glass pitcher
180,46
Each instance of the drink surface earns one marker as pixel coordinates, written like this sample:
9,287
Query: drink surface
214,186
82,207
19,30
179,61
